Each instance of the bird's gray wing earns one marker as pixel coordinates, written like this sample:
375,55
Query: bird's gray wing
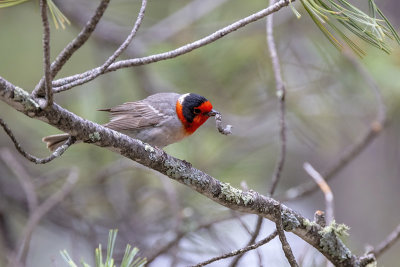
134,115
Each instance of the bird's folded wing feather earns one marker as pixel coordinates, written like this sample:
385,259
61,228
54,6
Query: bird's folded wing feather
134,115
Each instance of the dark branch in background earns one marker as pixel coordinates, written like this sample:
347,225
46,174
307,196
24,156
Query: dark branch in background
157,251
42,210
250,242
23,178
75,80
178,170
57,153
74,45
375,128
239,251
46,54
387,243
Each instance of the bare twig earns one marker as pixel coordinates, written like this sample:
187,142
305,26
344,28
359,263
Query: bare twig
42,210
69,82
24,179
375,128
389,241
57,153
167,246
250,242
323,185
280,92
239,251
46,54
282,237
100,70
74,45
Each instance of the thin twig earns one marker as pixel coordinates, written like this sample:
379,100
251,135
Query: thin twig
42,210
282,237
74,45
102,69
57,153
24,179
323,185
46,54
167,246
239,251
375,128
75,80
389,241
253,238
280,92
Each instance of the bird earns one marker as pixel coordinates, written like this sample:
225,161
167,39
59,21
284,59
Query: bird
160,119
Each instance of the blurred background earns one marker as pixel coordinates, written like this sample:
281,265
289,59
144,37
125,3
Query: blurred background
330,106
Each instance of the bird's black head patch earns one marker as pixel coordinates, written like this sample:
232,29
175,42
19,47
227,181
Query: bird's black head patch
189,105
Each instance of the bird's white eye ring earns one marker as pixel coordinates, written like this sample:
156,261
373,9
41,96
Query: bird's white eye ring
196,111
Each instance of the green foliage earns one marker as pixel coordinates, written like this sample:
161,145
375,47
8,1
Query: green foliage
56,14
366,27
129,259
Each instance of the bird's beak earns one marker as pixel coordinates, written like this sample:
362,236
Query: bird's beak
213,112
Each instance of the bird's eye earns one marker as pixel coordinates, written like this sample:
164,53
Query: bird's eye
196,111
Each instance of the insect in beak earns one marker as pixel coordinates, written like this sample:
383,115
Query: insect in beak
213,112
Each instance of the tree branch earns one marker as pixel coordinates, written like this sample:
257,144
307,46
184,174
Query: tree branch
282,237
23,178
392,238
178,170
100,70
57,153
46,54
73,46
78,79
42,210
375,128
326,190
239,251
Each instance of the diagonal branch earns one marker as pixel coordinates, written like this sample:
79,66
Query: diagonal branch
46,54
181,171
100,70
239,251
78,79
181,234
74,45
23,178
42,210
375,128
388,242
323,185
57,153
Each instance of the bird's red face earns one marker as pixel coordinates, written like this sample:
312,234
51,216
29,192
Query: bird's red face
193,110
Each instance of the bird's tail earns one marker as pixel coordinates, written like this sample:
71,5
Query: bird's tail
54,141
